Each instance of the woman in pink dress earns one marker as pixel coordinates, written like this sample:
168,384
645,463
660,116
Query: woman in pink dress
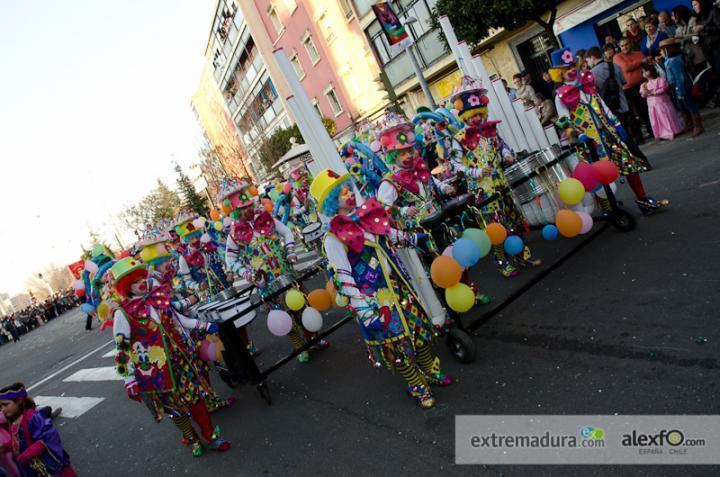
663,117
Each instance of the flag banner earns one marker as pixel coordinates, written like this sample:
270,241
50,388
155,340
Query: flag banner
77,268
395,32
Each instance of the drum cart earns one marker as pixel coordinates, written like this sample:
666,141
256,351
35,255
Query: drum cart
239,365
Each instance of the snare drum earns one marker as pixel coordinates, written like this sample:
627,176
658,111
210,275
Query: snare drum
536,197
313,232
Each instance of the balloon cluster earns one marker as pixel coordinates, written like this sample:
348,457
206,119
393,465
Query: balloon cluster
280,323
585,178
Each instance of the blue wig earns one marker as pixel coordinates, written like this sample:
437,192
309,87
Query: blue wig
332,201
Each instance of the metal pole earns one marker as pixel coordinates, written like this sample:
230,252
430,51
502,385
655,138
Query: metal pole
421,78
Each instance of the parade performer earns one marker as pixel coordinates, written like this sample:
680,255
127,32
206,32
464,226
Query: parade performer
480,154
583,114
200,264
162,269
260,249
35,443
407,192
101,259
156,356
396,329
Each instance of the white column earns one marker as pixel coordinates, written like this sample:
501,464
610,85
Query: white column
452,40
537,128
512,119
321,145
527,132
551,134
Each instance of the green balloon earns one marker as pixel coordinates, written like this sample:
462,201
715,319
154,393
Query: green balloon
480,238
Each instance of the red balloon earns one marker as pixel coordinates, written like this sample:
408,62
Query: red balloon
607,171
80,292
585,173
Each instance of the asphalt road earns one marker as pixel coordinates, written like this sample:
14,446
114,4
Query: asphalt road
627,325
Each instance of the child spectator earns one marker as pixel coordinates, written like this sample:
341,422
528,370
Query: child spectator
545,109
663,118
678,78
524,91
36,443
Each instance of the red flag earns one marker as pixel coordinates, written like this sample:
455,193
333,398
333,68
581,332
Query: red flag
77,268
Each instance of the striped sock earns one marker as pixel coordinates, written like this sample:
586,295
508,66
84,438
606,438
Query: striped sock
411,375
183,423
425,359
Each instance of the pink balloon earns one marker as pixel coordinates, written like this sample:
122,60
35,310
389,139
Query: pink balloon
279,323
585,173
211,350
448,251
587,222
203,350
287,188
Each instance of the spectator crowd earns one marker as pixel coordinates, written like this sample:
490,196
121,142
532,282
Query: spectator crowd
654,78
37,314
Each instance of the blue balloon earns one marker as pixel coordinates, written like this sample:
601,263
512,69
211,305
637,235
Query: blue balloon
550,232
513,245
466,252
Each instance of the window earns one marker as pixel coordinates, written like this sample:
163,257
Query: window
275,19
363,7
317,107
326,27
310,48
346,8
295,61
333,100
291,5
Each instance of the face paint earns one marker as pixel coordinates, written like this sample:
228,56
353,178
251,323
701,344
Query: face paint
347,199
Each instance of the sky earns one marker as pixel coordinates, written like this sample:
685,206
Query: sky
94,107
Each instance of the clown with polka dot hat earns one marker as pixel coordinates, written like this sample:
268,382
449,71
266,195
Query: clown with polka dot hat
394,325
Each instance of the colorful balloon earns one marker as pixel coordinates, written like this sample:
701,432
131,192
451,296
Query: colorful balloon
466,252
587,222
550,232
496,232
448,251
203,351
287,188
312,320
320,299
279,322
460,298
568,223
607,171
586,175
481,239
445,271
218,226
214,215
294,299
513,245
252,190
571,191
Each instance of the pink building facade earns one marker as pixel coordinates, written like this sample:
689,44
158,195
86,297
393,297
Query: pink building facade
305,36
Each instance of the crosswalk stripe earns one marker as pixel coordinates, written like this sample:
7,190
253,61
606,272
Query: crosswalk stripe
110,354
106,373
72,407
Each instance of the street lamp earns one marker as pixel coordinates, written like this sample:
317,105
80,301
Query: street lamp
418,72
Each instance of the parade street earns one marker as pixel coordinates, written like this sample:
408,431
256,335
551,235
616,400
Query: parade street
627,325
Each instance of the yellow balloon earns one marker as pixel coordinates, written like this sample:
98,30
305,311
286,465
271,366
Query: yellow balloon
571,191
460,297
294,300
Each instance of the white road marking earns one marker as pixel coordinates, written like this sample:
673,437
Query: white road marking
106,373
110,354
72,407
68,366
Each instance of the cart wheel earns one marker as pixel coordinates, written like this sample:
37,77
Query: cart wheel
264,392
461,345
621,220
227,379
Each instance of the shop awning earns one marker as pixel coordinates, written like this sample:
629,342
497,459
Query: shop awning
579,12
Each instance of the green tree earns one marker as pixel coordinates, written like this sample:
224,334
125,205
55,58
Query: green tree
275,146
191,200
473,20
161,203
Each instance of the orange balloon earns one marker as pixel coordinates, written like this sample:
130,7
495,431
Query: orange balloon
226,210
568,222
214,215
445,271
219,348
268,206
253,190
330,288
320,299
496,232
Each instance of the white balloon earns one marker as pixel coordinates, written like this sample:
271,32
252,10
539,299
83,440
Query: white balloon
312,320
205,238
199,223
448,251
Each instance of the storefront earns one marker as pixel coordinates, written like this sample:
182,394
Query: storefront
582,24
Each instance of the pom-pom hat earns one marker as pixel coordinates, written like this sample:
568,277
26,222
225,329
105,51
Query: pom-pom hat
396,133
152,245
235,193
